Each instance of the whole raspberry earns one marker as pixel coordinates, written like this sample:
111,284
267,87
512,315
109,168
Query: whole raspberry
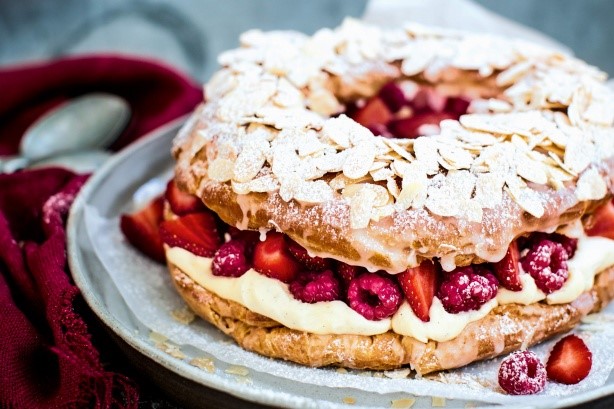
546,261
522,373
374,296
479,269
230,259
312,287
464,290
569,244
348,272
303,257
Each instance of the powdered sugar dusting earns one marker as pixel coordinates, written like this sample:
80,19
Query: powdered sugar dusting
522,373
266,69
539,123
149,295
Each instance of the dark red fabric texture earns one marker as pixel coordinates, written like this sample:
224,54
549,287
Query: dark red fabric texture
47,359
156,93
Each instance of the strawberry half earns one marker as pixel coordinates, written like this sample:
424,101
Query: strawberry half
182,203
419,285
602,221
141,229
373,113
392,95
570,361
311,263
427,100
507,270
273,259
195,232
457,105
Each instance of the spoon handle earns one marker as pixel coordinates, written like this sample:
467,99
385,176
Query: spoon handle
10,164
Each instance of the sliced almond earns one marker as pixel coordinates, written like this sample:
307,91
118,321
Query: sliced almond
579,153
527,199
530,170
203,363
382,197
221,170
381,174
360,208
454,157
425,149
250,159
359,160
489,189
591,185
313,192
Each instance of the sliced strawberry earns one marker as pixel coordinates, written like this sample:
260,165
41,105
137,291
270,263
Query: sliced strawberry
601,223
570,360
181,202
507,270
420,101
273,259
380,130
414,126
419,285
195,232
373,113
311,263
392,95
141,229
457,105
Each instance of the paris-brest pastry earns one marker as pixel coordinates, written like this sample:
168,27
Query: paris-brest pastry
405,197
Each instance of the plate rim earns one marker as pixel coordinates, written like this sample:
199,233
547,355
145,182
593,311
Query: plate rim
76,265
245,392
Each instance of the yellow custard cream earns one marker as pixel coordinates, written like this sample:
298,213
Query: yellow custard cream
443,326
271,297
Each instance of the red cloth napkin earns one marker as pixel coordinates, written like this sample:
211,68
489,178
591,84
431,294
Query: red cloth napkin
47,359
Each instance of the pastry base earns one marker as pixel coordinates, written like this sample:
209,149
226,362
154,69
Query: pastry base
506,328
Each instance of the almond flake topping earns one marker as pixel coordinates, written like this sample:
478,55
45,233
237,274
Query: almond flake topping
539,121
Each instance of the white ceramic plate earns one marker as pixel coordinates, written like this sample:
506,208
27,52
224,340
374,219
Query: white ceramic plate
109,191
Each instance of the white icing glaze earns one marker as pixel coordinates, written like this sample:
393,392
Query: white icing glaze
272,298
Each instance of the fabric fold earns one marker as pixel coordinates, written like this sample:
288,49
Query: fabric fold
47,358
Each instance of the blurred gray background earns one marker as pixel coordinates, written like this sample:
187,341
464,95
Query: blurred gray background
190,33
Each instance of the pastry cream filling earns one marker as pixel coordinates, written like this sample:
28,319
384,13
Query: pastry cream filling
442,326
271,297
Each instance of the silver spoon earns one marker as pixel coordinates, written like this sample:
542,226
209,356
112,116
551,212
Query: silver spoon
88,123
79,161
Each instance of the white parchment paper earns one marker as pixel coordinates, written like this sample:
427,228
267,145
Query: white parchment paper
454,14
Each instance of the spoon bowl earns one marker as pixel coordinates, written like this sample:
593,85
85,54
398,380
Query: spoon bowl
80,162
91,121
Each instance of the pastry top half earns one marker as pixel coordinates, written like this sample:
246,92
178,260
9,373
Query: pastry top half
275,148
